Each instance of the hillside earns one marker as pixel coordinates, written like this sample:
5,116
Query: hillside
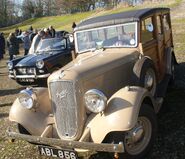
64,22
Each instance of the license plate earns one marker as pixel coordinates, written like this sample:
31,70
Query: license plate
26,80
59,153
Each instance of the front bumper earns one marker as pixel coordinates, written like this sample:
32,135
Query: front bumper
28,76
103,147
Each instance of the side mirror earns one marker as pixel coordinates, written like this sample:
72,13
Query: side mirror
71,38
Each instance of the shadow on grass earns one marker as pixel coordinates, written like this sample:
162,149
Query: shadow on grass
3,67
171,127
3,74
10,91
3,115
6,104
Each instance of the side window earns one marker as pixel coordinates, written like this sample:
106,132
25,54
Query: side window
166,22
111,32
97,35
147,32
159,26
68,44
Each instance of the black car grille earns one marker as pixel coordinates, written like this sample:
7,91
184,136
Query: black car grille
25,71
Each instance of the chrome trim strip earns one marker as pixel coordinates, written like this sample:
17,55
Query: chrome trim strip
30,76
68,144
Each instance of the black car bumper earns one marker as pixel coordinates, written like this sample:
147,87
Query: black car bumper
29,76
34,79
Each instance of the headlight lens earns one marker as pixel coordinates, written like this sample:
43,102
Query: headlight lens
31,70
10,65
40,64
22,70
95,100
26,98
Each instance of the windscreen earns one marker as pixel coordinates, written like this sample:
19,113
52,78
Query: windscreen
51,44
123,35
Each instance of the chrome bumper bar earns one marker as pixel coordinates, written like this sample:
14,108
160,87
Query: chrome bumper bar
29,76
119,148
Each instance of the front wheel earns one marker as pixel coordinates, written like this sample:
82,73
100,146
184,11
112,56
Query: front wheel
139,140
145,75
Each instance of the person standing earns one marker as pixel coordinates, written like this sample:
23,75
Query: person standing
30,29
36,41
16,31
2,45
73,26
26,42
12,45
51,31
47,33
31,36
20,31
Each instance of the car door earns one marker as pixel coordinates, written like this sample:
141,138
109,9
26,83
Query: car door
65,56
161,46
166,24
149,41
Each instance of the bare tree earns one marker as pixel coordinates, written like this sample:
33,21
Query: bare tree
28,8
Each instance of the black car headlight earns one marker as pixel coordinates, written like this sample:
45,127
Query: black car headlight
31,70
95,101
10,65
40,64
27,98
22,70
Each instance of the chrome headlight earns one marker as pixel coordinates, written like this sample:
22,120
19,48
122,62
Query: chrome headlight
26,98
30,70
22,70
40,64
95,100
10,65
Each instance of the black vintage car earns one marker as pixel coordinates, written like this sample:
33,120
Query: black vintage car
34,69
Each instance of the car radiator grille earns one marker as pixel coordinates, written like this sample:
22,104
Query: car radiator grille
65,108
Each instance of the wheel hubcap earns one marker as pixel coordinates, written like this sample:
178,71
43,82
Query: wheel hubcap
135,134
149,80
137,139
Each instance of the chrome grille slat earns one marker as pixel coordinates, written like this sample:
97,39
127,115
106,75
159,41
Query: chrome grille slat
64,105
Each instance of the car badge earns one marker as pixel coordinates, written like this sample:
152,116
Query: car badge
62,94
62,74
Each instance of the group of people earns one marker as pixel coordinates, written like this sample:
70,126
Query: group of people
27,37
30,39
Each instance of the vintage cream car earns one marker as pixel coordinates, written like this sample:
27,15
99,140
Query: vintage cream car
107,98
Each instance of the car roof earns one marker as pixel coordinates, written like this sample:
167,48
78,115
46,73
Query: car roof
118,18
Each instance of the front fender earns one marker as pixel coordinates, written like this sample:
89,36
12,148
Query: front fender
120,115
34,120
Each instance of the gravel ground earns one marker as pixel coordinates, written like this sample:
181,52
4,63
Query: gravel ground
170,143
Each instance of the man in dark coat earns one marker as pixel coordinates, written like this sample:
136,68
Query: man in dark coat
12,45
2,45
31,36
73,25
52,31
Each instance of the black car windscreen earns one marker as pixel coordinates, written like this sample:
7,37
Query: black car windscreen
51,44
